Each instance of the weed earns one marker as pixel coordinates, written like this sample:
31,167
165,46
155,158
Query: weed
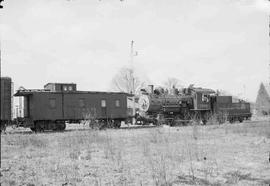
88,155
146,149
195,132
236,176
260,130
12,182
155,136
132,157
109,148
90,118
74,154
25,141
159,171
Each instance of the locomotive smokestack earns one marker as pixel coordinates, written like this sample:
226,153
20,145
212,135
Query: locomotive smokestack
151,88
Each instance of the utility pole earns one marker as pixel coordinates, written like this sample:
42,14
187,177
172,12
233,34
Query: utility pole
132,79
269,54
269,49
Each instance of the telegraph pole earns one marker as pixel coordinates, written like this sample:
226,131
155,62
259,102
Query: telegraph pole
269,49
132,79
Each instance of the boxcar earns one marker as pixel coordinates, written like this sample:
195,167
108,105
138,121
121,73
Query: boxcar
46,110
6,101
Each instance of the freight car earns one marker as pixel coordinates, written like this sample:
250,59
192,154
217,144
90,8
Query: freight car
191,103
6,102
52,107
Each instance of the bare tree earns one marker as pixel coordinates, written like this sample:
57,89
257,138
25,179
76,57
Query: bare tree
123,81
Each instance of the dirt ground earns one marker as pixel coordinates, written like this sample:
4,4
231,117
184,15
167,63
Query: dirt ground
228,154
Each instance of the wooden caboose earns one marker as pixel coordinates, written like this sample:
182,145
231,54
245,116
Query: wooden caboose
49,109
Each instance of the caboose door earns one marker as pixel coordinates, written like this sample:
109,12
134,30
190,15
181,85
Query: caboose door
26,111
103,108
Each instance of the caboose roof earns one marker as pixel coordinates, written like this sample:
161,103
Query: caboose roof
60,84
32,91
25,92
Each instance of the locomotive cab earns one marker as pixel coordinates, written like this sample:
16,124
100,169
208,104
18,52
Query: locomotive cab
201,98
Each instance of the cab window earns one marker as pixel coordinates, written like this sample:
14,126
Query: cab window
205,98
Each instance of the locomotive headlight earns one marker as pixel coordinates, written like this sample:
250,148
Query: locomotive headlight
144,103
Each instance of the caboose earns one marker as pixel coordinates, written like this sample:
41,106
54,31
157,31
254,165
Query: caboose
50,108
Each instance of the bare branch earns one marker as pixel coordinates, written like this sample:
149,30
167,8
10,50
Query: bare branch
123,81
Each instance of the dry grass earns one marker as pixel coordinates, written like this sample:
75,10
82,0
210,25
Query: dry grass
195,155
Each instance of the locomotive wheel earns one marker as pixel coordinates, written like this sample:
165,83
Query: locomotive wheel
240,120
38,126
33,129
221,120
205,118
102,124
94,124
155,122
60,126
171,123
3,127
117,124
204,121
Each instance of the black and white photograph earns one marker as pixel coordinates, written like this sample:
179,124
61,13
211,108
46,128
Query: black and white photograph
135,92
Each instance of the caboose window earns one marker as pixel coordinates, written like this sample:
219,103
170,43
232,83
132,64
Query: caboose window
65,88
52,103
103,103
70,88
117,103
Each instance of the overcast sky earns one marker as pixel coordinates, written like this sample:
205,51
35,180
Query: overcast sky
219,44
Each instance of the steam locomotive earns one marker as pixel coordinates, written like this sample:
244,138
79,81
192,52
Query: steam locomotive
189,104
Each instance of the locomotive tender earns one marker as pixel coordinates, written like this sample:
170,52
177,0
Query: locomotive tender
50,108
190,104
